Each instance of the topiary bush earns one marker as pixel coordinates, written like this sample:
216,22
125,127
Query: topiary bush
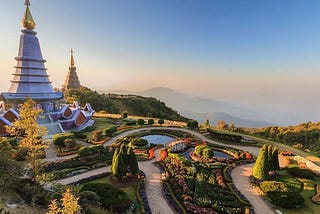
273,186
111,197
300,172
192,124
87,199
138,142
110,131
286,200
261,167
59,139
90,150
150,121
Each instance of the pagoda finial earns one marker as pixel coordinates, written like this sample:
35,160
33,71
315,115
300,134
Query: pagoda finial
27,3
27,20
72,59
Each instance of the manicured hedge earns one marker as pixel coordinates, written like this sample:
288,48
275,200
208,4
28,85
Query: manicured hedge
110,131
273,186
224,136
138,142
300,172
58,139
90,150
111,197
286,199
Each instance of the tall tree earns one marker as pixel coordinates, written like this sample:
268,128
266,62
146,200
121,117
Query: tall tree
69,205
133,162
29,133
119,169
261,168
275,159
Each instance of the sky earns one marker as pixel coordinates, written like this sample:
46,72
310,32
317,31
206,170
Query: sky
259,54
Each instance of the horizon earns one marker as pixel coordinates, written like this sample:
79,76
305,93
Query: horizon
257,54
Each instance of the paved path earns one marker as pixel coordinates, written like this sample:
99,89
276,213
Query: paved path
158,204
240,177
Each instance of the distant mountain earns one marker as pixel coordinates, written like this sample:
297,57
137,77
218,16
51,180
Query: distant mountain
200,108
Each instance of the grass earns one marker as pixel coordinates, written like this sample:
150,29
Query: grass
100,123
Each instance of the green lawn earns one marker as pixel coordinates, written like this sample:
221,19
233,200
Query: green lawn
100,123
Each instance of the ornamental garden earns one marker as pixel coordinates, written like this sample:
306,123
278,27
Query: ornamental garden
102,171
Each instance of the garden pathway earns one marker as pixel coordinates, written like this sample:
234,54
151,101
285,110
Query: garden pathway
157,202
240,176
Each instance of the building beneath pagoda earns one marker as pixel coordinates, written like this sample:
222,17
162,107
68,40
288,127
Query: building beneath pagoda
32,80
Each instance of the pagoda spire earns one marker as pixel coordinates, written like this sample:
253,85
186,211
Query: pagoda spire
27,20
71,59
72,79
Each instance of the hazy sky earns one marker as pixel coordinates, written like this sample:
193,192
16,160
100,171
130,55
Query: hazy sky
260,54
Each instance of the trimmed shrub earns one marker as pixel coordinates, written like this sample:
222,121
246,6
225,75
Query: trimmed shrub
87,199
273,186
138,142
300,172
124,114
205,151
59,139
161,121
110,131
286,200
111,197
261,167
140,121
91,150
208,153
150,121
192,124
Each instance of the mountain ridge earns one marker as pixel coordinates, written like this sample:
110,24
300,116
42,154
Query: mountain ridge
201,108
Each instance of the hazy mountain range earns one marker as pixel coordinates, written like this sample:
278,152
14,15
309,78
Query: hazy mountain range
200,108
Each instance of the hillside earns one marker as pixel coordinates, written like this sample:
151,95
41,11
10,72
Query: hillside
115,104
305,136
200,108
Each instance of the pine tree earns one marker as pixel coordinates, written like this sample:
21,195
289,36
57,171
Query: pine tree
133,163
123,153
261,167
119,169
270,161
32,134
275,159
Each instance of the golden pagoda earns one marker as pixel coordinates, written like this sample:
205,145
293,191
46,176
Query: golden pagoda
72,80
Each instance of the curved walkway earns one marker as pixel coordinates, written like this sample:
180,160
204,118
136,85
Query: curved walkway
158,204
240,177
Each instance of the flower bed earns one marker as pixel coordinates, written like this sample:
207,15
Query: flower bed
202,188
76,162
163,155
